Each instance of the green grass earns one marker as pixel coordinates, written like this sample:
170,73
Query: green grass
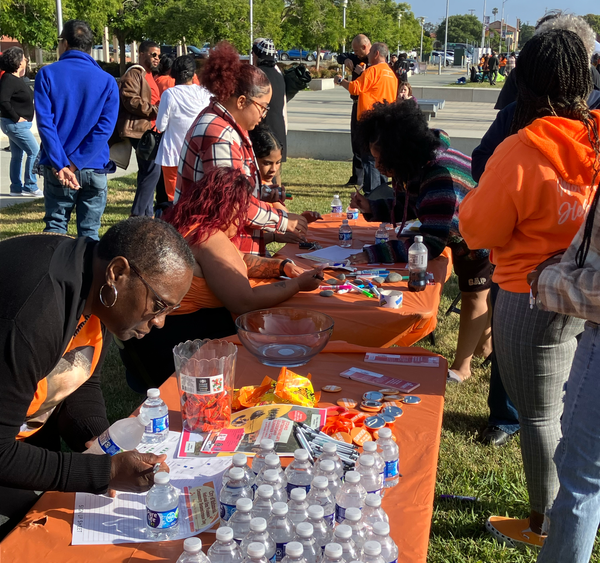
465,467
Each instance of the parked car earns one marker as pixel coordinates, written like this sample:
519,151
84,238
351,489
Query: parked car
296,55
326,55
435,55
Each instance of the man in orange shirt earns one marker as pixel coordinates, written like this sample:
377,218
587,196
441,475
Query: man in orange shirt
377,83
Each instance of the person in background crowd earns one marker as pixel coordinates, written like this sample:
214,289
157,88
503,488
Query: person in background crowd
179,107
16,115
163,76
356,63
376,84
402,67
264,51
140,97
551,154
75,125
511,63
405,92
502,65
493,68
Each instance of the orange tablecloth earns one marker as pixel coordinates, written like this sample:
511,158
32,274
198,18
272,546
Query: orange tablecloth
360,320
45,534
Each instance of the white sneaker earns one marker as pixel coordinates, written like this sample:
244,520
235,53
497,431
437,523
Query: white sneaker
37,193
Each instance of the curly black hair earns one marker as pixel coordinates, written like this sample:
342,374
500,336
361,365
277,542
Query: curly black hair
400,133
264,141
11,59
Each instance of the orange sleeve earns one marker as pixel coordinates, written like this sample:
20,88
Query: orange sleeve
362,83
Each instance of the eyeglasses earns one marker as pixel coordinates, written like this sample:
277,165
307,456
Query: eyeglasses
263,109
160,305
154,55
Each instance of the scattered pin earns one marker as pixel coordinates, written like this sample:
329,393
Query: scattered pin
388,417
331,389
347,403
388,391
375,422
370,406
395,411
373,396
411,400
360,436
391,398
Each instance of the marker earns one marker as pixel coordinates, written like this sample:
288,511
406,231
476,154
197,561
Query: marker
374,289
326,287
363,291
458,497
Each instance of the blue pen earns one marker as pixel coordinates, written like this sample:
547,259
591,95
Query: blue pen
370,272
374,289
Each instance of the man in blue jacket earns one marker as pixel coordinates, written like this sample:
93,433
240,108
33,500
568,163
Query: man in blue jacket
77,105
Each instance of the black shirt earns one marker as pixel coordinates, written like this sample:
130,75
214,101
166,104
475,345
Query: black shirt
16,98
274,118
341,59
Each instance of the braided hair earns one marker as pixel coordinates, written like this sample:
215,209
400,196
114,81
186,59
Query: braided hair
553,79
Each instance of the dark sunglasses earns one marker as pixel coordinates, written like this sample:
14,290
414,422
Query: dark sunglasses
160,305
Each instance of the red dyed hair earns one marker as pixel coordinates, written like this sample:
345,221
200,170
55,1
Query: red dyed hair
224,75
218,200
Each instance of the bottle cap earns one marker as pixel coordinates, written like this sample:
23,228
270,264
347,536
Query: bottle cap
279,508
258,524
153,393
143,419
270,475
370,446
298,494
225,534
353,514
267,444
301,454
366,460
239,460
344,221
327,465
336,195
244,504
294,549
333,550
256,550
372,548
192,545
162,478
330,448
381,529
304,529
382,226
343,531
385,433
320,482
315,511
352,477
373,500
236,473
418,238
272,460
265,491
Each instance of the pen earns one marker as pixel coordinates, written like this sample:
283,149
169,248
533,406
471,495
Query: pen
531,299
325,287
363,291
374,289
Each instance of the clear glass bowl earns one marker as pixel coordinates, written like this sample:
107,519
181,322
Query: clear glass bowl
283,336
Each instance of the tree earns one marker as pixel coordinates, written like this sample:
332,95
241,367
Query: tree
495,12
31,22
594,22
525,34
461,29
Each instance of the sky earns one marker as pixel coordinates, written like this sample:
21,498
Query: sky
528,10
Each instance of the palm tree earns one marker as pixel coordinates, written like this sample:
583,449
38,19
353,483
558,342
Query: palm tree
495,12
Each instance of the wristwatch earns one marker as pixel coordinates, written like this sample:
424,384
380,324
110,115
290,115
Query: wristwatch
282,266
340,80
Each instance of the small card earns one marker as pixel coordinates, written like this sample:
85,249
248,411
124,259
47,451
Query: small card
395,360
364,376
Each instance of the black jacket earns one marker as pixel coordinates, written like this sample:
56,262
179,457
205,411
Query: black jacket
274,118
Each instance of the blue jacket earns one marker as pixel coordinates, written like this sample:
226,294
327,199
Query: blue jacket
77,105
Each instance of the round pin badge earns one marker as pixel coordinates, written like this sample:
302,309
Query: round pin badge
388,417
331,388
391,398
411,400
388,391
373,396
374,422
347,403
395,411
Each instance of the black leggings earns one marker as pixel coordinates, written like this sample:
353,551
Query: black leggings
149,361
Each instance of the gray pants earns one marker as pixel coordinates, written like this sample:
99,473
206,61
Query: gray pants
535,350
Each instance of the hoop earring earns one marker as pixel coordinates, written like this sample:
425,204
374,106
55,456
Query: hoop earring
114,299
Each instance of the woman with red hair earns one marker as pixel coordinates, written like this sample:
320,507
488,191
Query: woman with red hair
219,138
211,215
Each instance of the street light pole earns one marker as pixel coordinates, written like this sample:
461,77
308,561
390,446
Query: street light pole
446,38
483,27
344,5
59,21
422,19
251,28
399,20
501,24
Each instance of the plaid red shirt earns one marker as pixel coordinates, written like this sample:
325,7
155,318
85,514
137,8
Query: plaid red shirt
215,139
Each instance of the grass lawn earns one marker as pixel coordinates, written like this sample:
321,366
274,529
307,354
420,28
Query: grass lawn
465,467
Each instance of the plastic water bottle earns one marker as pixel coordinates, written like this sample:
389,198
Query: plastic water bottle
330,453
321,531
351,494
256,553
417,265
343,535
272,463
124,435
240,460
299,473
327,469
280,528
297,506
372,449
237,487
294,553
267,447
263,504
390,454
157,411
336,206
352,214
354,520
321,496
192,552
372,553
333,553
258,533
369,475
240,519
275,480
305,535
381,533
382,234
225,549
162,508
372,512
345,234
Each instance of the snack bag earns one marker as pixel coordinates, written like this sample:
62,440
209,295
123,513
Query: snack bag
295,389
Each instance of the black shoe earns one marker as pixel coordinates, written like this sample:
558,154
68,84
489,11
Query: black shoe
494,436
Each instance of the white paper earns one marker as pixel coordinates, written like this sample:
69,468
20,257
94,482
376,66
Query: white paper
331,254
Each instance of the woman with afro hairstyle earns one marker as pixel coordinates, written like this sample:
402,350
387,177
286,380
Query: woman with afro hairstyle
219,138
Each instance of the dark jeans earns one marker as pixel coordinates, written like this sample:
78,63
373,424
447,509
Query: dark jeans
372,177
357,166
503,412
493,76
147,179
89,202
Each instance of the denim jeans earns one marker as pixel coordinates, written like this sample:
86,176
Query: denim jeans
148,176
575,514
21,141
88,201
372,178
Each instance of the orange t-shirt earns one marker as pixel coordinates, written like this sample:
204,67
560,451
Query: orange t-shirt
377,83
165,82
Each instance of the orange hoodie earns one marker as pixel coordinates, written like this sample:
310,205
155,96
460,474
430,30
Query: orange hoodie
532,198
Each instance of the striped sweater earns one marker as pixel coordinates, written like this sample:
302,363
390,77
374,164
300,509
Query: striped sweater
433,199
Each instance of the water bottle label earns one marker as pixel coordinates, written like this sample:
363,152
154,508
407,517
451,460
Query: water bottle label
417,260
329,519
201,385
391,469
280,551
345,236
227,511
273,559
375,492
162,520
291,487
336,209
394,561
158,425
379,240
340,513
107,445
352,215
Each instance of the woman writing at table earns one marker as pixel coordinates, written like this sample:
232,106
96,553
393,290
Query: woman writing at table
210,215
429,181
